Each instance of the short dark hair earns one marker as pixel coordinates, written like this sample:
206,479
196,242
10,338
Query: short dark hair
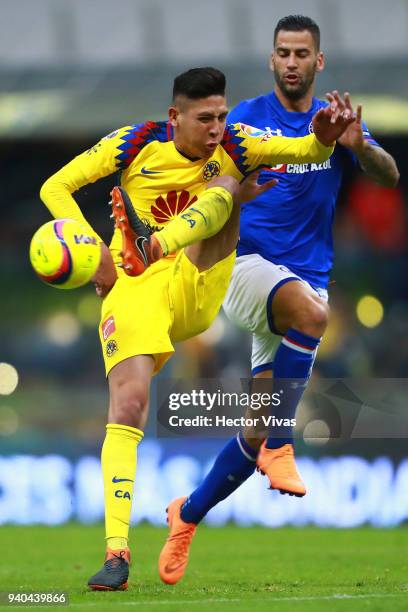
297,23
199,83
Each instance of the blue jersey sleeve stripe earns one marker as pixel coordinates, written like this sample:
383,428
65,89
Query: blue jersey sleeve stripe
137,137
232,144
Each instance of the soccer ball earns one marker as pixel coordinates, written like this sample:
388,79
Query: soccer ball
65,254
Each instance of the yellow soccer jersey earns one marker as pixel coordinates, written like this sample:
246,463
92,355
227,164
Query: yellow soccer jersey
162,182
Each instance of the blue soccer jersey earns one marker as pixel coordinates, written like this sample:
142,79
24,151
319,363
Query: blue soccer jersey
292,223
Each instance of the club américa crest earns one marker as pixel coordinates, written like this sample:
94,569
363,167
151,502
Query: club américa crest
111,348
211,169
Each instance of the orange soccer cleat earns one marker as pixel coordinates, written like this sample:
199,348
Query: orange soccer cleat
280,467
139,248
115,572
174,555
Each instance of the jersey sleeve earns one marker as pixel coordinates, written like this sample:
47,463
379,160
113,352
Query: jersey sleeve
251,148
107,156
367,135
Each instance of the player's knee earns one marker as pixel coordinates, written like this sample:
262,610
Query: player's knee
227,182
312,318
129,405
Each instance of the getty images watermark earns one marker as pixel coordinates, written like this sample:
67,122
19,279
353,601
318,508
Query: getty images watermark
219,401
330,408
215,408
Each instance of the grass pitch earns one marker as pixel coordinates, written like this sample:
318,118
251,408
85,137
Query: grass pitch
230,569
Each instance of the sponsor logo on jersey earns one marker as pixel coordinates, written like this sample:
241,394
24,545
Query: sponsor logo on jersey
269,132
265,134
115,479
211,169
111,348
111,135
310,128
171,205
249,130
108,328
278,168
300,168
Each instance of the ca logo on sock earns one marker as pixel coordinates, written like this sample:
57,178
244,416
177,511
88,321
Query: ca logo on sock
122,494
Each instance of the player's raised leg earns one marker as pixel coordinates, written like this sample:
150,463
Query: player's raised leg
200,221
209,228
214,246
129,383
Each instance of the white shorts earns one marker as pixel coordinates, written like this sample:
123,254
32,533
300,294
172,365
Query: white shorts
248,304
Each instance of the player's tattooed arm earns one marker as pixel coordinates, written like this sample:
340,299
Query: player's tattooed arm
374,161
378,165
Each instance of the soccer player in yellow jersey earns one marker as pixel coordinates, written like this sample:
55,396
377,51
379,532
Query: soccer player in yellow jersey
181,178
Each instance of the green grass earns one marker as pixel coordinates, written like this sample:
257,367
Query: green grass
231,569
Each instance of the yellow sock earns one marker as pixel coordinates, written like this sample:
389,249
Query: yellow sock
119,471
205,218
117,543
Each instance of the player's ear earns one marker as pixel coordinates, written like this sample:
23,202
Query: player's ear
320,62
272,62
173,116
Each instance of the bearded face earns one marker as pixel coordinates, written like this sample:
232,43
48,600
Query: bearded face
295,84
295,61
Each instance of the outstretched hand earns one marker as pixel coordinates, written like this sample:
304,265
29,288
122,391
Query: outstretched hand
331,122
353,137
250,189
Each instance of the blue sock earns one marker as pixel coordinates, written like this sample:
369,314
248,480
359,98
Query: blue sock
291,371
234,464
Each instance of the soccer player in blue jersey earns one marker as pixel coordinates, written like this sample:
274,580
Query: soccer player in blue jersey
278,290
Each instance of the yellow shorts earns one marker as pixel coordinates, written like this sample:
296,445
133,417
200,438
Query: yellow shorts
170,302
